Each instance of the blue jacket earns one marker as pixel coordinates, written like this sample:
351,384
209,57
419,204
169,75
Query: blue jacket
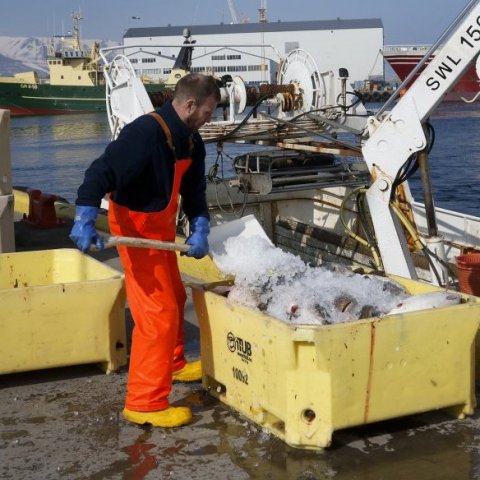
138,168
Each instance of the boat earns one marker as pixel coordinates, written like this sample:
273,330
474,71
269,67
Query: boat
310,190
404,58
76,81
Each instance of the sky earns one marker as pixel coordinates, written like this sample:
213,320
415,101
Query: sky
404,22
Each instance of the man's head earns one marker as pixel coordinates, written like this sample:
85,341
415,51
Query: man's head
195,99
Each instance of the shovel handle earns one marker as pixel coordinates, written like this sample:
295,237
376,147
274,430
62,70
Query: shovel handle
114,241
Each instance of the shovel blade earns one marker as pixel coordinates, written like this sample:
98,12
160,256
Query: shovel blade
245,227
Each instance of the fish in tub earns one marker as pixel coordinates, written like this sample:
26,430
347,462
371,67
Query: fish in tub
282,285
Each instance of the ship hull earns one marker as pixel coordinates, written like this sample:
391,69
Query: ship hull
24,99
465,89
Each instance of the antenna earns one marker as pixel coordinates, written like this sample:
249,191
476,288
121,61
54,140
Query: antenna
263,11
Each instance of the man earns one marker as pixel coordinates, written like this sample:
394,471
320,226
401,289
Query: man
156,158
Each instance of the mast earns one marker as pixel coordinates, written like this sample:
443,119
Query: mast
76,30
263,11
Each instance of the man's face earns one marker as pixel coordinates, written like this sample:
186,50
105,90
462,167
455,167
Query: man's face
198,115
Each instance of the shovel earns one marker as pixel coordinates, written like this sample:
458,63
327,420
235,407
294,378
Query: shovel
114,241
244,227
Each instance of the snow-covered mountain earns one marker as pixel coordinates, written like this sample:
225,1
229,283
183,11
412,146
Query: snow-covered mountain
22,54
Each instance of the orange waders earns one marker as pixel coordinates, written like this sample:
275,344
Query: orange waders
156,298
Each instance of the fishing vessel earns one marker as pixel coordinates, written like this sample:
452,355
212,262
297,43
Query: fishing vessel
76,81
404,58
315,191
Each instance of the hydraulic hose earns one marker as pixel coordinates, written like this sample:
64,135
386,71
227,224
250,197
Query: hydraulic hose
352,234
418,243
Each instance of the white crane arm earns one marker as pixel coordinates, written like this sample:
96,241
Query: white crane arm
399,134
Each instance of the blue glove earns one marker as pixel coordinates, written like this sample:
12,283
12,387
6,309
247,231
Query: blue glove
83,232
198,239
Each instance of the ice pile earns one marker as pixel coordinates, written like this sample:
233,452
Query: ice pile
283,286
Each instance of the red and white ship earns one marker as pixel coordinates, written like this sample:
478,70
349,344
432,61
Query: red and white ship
404,58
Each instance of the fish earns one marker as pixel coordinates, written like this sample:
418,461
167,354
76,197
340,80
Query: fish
426,301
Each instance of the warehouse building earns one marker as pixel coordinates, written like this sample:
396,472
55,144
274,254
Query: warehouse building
234,49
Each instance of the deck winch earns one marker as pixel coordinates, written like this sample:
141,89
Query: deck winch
300,88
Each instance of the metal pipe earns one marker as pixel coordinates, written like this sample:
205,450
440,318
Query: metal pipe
344,143
422,159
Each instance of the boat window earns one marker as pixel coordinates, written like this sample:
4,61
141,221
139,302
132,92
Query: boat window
237,68
257,68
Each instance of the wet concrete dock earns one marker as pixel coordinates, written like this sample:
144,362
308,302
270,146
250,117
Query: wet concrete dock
66,423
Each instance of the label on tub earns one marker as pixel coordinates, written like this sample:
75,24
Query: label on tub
240,347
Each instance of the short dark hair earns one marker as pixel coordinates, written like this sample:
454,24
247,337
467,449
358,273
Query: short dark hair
197,86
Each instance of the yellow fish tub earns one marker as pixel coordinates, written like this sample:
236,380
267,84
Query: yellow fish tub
303,381
58,308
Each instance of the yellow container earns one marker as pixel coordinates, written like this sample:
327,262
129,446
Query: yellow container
58,308
63,209
202,271
302,382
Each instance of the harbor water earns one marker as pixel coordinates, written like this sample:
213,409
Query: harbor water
51,154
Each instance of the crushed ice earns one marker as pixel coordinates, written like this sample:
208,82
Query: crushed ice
283,286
